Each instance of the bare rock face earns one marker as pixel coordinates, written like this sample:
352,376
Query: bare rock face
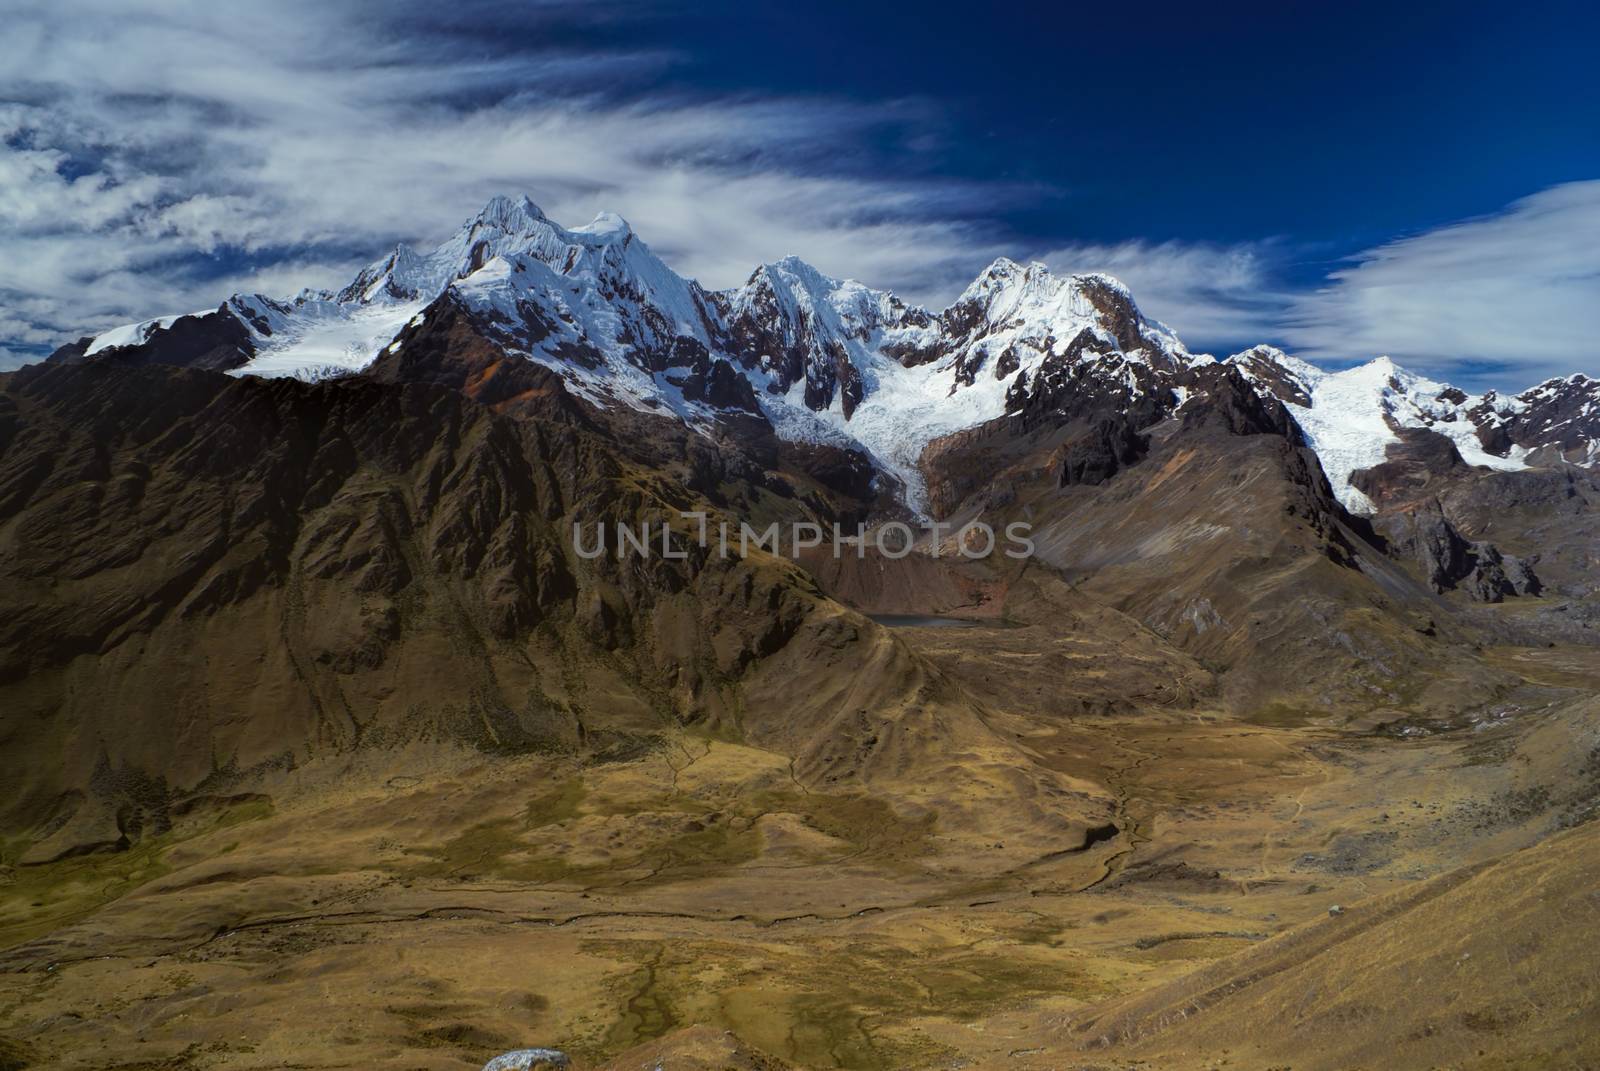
204,575
1500,575
1110,444
783,323
1263,366
717,383
1226,399
1560,418
1088,376
1451,562
1548,513
214,340
1421,460
1482,531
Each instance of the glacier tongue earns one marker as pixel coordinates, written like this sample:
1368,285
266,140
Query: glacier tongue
1349,417
319,338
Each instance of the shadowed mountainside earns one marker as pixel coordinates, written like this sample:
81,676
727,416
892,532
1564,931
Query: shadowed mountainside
212,579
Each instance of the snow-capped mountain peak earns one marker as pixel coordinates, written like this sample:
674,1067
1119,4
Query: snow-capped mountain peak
511,260
606,226
511,215
1007,288
830,359
1352,417
1288,378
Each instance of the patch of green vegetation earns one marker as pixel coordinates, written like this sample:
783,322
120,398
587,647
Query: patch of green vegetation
716,844
1041,930
1196,944
1281,715
647,1012
183,1061
831,1030
557,805
694,835
1561,667
865,1018
489,850
1489,750
496,850
860,821
221,815
836,1004
13,1057
968,987
891,986
1523,804
178,981
42,897
460,1037
1494,1020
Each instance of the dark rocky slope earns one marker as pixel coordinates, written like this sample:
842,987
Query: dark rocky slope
1214,526
206,580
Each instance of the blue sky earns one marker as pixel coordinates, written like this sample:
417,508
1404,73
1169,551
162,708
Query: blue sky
1343,180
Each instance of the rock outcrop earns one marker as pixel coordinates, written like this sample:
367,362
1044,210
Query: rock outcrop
1450,562
529,1060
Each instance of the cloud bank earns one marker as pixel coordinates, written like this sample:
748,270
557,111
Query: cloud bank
1502,300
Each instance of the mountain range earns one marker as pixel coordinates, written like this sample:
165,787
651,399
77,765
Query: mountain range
832,361
424,433
326,745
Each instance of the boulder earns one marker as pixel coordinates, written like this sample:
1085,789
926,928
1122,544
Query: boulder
529,1060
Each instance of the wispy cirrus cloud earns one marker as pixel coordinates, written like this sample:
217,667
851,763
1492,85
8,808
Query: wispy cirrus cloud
183,150
1503,300
1507,297
1214,296
157,155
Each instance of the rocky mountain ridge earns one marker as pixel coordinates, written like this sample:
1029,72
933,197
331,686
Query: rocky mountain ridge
829,361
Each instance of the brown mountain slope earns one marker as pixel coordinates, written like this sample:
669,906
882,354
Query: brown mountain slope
1217,530
735,461
1480,968
207,580
1539,522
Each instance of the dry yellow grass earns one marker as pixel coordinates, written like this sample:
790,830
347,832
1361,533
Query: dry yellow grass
428,912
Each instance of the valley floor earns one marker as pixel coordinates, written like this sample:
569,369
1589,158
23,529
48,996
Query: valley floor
1274,895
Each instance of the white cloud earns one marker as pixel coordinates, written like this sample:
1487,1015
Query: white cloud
157,155
1212,295
143,138
1517,292
1503,300
11,360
